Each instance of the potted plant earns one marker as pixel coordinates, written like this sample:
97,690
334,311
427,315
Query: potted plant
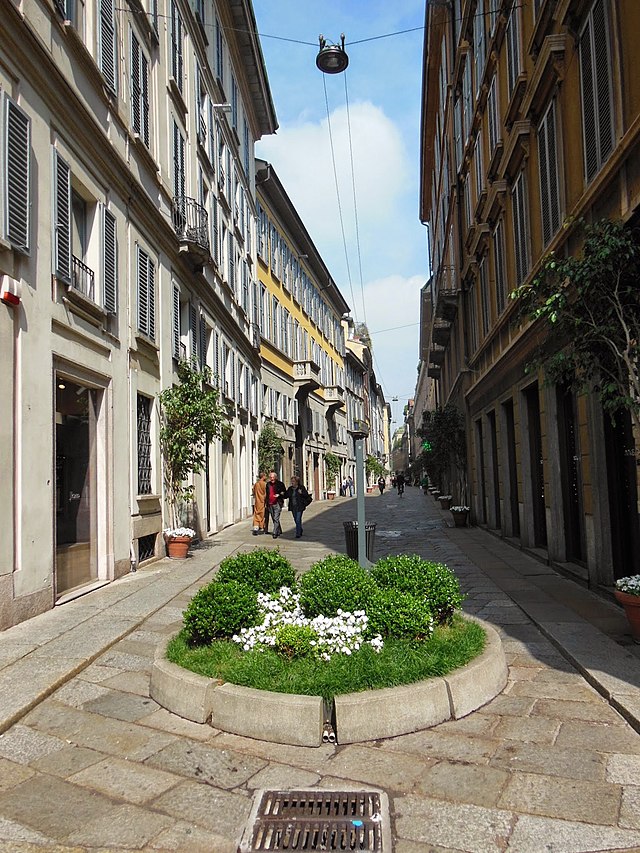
627,592
445,501
332,465
460,515
190,417
178,541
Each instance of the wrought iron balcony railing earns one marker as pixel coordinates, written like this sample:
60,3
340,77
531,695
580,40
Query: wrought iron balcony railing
82,278
191,222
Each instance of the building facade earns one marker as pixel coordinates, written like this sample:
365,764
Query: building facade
299,311
530,122
128,233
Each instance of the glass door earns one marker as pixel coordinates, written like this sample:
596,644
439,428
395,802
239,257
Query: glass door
75,461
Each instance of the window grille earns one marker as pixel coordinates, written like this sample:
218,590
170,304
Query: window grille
144,445
146,547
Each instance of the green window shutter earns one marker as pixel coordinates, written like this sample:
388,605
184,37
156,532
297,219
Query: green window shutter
62,218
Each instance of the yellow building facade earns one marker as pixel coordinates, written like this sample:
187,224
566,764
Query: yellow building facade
530,120
299,311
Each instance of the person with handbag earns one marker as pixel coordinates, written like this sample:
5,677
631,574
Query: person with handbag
299,499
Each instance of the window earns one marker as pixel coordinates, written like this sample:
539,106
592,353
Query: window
139,91
494,8
484,297
219,52
457,132
492,116
596,89
234,104
177,60
479,44
62,218
473,319
146,285
175,322
467,101
480,184
215,233
110,263
520,228
498,258
107,50
247,147
514,60
16,175
550,210
144,445
179,179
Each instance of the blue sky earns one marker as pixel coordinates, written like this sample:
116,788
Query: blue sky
383,84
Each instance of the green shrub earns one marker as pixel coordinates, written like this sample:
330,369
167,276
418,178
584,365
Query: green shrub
397,614
433,581
220,609
266,570
295,641
335,583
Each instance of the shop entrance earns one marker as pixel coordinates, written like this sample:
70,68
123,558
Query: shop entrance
75,460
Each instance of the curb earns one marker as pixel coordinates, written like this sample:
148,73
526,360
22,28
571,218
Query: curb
298,720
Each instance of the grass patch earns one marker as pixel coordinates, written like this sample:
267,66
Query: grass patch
399,662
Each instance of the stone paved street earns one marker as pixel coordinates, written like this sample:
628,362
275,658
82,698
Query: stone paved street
89,762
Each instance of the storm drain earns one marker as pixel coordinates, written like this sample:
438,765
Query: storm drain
316,820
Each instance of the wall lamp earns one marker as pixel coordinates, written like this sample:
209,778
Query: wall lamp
332,58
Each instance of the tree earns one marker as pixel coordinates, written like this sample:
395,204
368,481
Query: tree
445,457
362,333
332,464
269,448
373,466
590,303
190,417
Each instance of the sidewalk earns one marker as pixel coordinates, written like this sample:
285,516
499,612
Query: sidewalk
89,762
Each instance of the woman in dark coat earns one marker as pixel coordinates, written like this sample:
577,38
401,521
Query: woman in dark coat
299,499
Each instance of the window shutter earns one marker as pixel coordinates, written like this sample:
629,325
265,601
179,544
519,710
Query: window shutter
492,110
215,237
144,81
175,327
596,89
588,105
62,218
143,291
203,342
216,357
16,175
520,228
110,264
513,48
135,84
498,256
176,46
548,168
151,278
484,296
178,162
107,50
193,331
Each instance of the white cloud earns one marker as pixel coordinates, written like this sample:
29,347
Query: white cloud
301,155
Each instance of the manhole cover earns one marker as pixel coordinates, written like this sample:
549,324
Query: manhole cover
316,820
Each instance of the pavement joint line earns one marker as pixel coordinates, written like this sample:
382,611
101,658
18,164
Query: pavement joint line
72,672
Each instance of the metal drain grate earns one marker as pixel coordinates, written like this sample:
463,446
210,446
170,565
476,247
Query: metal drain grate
315,820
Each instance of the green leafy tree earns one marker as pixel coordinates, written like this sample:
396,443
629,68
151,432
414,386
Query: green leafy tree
332,465
446,461
190,417
590,306
373,467
269,448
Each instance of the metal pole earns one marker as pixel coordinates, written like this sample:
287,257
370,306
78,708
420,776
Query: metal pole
360,493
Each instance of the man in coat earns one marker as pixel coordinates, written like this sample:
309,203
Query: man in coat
276,491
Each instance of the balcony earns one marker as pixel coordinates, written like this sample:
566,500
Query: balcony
433,371
441,332
334,398
191,224
447,292
306,376
436,354
82,278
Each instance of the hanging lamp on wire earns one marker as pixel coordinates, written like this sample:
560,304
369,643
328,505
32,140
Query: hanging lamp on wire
332,58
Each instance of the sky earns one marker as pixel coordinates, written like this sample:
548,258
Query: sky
374,116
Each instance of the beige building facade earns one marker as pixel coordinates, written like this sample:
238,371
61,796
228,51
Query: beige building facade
128,231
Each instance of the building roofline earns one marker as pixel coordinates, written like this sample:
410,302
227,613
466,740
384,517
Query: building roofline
248,40
268,183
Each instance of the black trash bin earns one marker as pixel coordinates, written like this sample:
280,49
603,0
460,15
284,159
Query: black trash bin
351,537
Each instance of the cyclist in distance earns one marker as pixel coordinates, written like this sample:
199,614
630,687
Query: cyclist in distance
400,483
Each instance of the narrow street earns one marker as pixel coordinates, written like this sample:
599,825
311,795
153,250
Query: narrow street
89,762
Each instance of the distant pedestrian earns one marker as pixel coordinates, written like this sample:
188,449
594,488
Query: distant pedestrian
393,481
424,483
381,483
299,499
259,500
350,485
276,491
400,483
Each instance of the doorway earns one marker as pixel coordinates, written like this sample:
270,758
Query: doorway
76,495
532,399
623,494
571,475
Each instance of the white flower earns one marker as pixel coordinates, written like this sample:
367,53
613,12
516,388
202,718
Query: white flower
179,531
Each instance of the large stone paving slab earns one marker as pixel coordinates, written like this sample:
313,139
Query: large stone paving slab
126,826
125,780
222,812
550,761
571,799
23,744
538,835
207,763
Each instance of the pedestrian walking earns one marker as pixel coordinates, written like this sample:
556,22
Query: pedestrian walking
276,491
400,484
381,483
350,485
259,500
299,499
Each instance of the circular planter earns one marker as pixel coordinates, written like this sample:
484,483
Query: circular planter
299,720
631,604
178,547
460,517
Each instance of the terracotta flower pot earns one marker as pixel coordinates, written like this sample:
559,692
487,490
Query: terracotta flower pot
178,547
631,604
445,503
331,496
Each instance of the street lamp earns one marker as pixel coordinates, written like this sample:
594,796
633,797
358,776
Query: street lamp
332,58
